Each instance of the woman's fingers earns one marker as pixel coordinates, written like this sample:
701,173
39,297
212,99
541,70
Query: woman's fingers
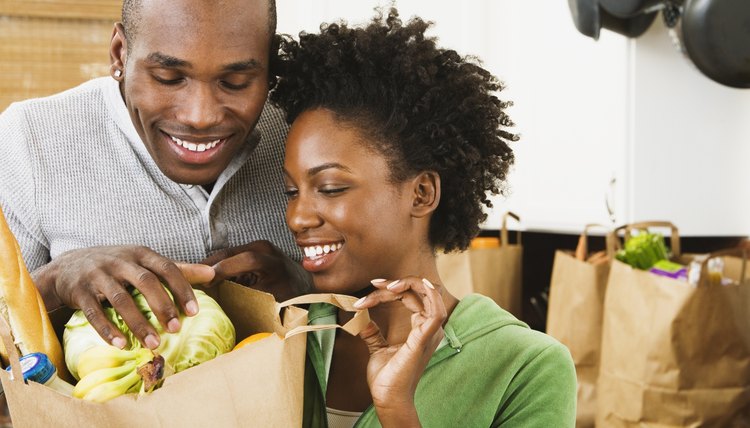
373,338
411,291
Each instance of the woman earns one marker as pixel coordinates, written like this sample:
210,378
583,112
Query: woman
394,145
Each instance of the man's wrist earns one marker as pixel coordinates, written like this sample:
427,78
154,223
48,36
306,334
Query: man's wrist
44,280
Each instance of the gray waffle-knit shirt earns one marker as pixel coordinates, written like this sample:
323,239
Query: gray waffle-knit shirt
74,173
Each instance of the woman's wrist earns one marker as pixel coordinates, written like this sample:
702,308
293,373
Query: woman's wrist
403,414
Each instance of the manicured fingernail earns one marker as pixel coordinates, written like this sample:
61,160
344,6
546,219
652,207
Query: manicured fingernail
360,302
173,326
191,308
151,341
392,285
119,342
428,283
377,281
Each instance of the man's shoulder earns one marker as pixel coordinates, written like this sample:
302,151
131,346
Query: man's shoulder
272,123
88,89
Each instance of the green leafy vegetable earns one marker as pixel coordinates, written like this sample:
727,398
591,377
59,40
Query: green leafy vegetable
202,337
643,250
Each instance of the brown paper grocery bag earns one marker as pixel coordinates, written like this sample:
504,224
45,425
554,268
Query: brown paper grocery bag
675,354
494,270
574,315
258,385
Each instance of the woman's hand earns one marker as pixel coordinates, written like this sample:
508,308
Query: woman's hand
393,371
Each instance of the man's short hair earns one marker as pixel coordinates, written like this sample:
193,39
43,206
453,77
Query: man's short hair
131,18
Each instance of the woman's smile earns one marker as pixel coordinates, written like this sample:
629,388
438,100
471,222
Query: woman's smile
319,257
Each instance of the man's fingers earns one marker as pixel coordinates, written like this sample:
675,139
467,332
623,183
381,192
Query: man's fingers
94,313
146,278
122,302
196,274
237,265
255,246
158,300
373,338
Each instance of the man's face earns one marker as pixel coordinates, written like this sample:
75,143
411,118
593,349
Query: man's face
195,81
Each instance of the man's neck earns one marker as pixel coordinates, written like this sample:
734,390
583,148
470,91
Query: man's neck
208,187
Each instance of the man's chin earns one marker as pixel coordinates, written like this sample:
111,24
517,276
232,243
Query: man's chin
193,177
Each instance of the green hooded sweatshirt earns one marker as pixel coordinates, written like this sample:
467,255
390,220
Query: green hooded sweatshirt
490,370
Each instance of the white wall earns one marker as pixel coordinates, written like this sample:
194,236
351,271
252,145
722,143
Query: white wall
690,143
590,111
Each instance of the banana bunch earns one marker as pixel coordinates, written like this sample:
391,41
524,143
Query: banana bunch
107,372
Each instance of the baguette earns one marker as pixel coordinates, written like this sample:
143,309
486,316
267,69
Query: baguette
23,307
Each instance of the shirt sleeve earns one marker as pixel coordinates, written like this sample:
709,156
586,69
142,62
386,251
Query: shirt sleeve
543,393
17,188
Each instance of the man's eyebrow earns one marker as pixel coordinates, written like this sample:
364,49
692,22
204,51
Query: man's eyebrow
248,65
166,61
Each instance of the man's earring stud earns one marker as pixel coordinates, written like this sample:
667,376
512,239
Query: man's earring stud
118,73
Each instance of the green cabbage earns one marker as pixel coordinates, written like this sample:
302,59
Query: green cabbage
202,337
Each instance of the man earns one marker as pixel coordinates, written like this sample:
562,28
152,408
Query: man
172,158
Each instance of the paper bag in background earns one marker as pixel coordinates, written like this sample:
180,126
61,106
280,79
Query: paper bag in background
258,385
574,315
675,354
491,267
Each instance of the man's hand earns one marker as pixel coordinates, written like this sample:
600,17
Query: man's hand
262,266
83,279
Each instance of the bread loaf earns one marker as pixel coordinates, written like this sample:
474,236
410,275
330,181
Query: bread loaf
23,307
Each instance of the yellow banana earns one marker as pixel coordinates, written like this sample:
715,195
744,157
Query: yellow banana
108,390
97,377
107,356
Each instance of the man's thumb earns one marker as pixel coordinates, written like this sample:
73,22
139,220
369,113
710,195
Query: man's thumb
197,274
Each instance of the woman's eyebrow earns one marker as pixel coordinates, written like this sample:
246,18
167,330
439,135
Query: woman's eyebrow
330,165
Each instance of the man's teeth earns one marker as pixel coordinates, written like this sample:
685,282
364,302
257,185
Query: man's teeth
318,250
195,147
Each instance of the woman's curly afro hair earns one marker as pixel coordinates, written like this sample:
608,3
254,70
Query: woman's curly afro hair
424,108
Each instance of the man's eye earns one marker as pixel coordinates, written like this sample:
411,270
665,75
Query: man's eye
291,193
234,87
168,82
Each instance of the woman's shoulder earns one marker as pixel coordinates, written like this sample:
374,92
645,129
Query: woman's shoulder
479,319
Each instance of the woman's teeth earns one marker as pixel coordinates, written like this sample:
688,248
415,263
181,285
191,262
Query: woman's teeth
195,147
319,250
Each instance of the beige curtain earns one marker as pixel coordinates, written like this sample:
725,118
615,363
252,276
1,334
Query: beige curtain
48,46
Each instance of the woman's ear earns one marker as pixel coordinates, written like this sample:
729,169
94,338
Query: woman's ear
118,48
426,186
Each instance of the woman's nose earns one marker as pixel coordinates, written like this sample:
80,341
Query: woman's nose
301,215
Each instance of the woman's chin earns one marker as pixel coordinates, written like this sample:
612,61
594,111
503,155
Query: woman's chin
330,284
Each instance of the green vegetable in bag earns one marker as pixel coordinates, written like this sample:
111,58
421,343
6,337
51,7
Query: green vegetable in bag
642,251
106,371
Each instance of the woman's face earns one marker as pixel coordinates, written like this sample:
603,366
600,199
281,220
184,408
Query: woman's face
352,223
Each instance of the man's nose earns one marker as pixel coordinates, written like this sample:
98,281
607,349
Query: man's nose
201,107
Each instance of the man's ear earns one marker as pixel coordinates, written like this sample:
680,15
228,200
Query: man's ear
118,47
426,187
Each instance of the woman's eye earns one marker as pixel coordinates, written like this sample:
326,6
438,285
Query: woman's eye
332,190
291,193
